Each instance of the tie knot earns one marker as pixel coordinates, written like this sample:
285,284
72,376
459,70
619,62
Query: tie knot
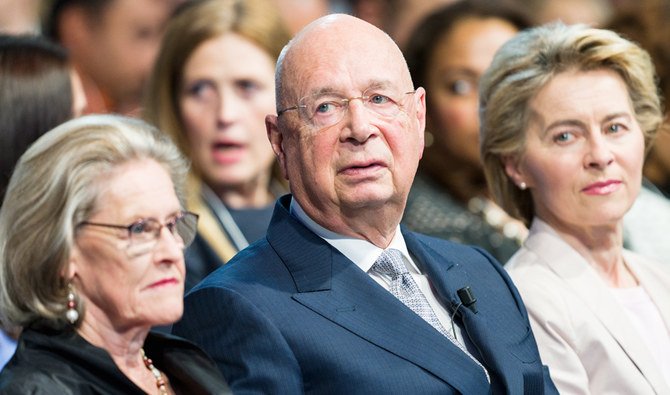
390,263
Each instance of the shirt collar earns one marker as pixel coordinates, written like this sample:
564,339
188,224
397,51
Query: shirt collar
361,252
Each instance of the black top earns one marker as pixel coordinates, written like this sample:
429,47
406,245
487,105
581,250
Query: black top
49,361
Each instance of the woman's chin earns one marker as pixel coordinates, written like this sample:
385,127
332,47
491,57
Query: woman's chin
167,317
168,311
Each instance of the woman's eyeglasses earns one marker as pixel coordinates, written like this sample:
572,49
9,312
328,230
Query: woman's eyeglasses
147,231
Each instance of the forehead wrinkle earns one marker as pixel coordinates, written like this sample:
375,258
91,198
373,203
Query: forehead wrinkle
571,116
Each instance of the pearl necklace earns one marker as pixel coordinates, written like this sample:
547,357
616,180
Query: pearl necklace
160,381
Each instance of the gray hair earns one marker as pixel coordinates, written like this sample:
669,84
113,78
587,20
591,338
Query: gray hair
527,63
55,186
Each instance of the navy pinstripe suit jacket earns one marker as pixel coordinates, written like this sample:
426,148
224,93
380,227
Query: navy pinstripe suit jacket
290,315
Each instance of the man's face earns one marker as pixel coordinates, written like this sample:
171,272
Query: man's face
122,46
366,160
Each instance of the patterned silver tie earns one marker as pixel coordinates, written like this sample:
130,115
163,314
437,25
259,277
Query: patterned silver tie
404,288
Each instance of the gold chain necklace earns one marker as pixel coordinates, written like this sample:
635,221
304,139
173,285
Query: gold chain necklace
160,381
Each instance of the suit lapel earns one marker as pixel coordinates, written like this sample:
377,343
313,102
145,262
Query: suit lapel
448,275
570,266
334,287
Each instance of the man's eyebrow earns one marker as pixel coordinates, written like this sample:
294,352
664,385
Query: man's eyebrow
372,84
322,91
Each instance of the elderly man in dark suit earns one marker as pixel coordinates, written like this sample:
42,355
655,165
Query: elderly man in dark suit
339,298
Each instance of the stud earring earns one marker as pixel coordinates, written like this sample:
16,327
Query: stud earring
523,186
71,314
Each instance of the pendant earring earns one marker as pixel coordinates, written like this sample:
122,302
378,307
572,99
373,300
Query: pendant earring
523,186
71,314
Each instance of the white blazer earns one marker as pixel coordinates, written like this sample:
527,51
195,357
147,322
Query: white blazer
584,335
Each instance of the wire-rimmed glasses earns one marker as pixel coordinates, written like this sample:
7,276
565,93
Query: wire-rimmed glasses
147,231
326,109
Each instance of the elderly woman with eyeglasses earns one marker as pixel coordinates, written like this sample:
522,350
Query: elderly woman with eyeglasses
92,234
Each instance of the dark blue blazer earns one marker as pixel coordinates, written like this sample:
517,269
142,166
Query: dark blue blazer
290,315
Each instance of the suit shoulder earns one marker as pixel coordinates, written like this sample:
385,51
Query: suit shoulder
251,253
257,259
526,263
459,253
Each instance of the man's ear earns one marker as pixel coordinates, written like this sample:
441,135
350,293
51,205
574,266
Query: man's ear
420,97
277,142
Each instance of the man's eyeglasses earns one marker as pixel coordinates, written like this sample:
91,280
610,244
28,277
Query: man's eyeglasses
326,109
147,231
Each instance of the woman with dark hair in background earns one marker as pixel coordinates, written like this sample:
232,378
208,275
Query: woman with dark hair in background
39,89
447,54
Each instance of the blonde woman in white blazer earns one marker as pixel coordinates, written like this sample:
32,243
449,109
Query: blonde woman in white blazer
567,114
584,332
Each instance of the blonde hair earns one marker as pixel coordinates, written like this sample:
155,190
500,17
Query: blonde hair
528,62
54,187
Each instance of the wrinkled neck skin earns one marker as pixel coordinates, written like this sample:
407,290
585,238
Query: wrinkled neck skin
375,223
122,344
